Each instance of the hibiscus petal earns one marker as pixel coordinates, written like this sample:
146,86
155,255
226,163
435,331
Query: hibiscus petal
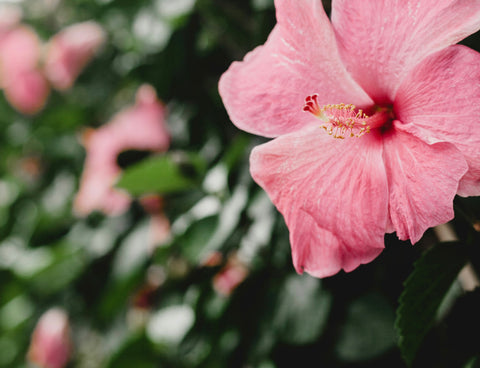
265,93
27,91
332,193
20,50
96,190
25,86
438,98
141,127
380,41
70,50
422,179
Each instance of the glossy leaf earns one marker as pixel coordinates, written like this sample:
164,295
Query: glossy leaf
424,291
163,174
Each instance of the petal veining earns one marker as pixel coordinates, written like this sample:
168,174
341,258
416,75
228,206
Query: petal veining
264,93
332,193
380,41
439,100
423,180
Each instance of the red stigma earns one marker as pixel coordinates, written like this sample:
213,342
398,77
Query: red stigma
311,105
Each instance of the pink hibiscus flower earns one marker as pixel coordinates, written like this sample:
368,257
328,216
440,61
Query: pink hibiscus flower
24,84
70,50
25,81
140,127
385,76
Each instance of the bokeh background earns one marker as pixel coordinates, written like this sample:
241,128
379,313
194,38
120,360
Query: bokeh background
220,290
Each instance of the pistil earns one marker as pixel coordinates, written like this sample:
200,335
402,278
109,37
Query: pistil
342,120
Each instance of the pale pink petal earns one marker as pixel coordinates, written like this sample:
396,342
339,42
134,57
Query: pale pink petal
381,41
265,93
143,126
10,16
423,180
20,51
439,99
332,194
24,85
70,50
96,186
27,91
99,175
140,127
51,343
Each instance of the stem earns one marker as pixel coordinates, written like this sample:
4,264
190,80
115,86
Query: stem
467,277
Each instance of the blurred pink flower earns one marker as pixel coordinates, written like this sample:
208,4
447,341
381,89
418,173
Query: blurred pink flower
230,276
159,223
25,82
140,127
404,157
70,50
51,344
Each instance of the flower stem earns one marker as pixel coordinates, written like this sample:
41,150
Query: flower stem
467,277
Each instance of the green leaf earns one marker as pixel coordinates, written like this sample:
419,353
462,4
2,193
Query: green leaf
137,351
168,173
192,242
302,310
68,262
425,288
368,329
472,363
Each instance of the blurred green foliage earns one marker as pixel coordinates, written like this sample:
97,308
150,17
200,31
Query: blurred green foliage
131,306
